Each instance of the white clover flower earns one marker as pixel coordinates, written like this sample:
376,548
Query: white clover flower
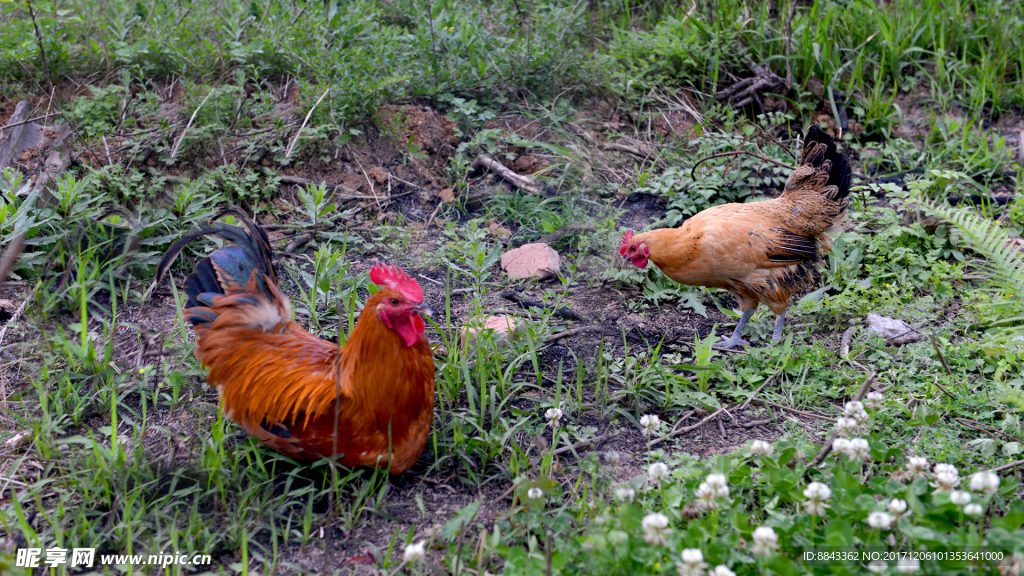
880,520
705,496
816,494
987,482
918,466
760,448
721,570
650,424
535,493
718,483
897,507
875,400
846,427
855,410
693,563
946,477
600,519
908,565
877,566
657,472
765,541
414,553
841,446
625,493
960,498
553,415
974,510
656,528
859,450
817,491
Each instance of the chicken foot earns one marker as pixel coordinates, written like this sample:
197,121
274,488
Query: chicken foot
736,338
779,321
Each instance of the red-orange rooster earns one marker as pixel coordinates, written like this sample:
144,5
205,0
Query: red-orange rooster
283,385
761,252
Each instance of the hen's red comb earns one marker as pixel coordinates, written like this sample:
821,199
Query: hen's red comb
396,279
625,241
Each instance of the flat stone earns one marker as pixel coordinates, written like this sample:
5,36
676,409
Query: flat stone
504,329
531,261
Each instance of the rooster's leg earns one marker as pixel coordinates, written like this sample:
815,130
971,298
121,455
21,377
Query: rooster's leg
736,338
779,321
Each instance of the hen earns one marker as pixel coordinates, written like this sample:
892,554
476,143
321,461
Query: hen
761,252
284,385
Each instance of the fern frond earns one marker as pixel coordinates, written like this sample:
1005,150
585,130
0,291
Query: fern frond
1004,265
1004,262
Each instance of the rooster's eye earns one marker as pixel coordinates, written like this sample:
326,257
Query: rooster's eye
394,301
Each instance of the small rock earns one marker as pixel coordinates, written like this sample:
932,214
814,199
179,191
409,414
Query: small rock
504,328
894,330
499,231
529,164
446,195
378,174
531,261
18,440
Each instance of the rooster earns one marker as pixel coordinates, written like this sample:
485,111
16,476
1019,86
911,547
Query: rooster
371,402
761,252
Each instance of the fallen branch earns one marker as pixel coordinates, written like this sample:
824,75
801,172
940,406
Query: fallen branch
29,121
564,313
349,193
681,431
844,342
935,345
298,242
174,151
828,444
519,181
1008,466
291,147
973,424
803,413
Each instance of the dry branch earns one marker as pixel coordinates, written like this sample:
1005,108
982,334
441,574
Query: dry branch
522,182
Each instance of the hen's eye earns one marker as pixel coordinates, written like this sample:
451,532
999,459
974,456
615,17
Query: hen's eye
394,301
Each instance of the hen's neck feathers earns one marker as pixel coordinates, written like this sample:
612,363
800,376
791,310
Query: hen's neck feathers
676,245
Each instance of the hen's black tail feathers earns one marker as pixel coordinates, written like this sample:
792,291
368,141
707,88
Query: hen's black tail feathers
819,147
226,268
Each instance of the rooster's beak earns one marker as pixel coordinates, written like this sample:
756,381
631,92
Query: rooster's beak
424,309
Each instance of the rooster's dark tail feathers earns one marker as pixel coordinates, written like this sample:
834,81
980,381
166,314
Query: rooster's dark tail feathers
227,268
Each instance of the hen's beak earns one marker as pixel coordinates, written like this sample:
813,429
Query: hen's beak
423,309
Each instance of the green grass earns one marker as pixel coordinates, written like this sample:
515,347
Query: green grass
125,448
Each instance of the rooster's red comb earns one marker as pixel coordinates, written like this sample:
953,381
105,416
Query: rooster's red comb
396,279
625,241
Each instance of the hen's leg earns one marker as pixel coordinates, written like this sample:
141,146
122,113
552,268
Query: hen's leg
736,340
779,321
